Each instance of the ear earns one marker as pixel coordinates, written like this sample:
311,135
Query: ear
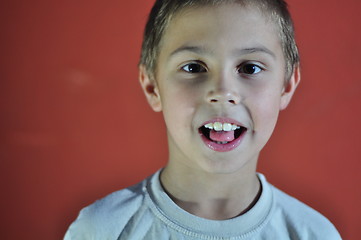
290,87
150,89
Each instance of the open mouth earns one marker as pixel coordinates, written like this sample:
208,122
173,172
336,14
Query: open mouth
222,133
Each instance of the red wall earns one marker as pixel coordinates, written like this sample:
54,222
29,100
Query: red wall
75,124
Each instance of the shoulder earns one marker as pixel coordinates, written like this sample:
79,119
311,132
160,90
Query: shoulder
109,215
301,220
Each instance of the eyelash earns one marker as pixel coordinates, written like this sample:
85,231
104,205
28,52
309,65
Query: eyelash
195,68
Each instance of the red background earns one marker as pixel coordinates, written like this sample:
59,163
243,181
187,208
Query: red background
75,125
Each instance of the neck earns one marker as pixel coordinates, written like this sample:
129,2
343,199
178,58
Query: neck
215,196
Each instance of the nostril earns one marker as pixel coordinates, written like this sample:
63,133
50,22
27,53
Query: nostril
223,96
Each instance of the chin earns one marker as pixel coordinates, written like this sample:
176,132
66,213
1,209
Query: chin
226,166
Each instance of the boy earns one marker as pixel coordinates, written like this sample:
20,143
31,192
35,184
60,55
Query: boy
220,72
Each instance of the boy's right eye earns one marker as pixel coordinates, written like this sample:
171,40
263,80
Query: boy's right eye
194,68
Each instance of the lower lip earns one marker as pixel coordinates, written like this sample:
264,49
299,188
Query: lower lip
223,147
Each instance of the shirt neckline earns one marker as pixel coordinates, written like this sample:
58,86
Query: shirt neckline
174,216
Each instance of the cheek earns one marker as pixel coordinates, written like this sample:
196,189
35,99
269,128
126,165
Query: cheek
180,94
179,104
264,117
265,112
176,101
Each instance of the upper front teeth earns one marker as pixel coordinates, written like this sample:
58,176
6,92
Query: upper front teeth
218,126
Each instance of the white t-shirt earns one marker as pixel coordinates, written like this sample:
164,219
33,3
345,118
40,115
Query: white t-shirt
145,211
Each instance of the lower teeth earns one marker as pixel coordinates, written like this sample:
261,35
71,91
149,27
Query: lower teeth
221,142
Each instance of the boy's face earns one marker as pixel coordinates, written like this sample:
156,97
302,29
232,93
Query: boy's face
219,64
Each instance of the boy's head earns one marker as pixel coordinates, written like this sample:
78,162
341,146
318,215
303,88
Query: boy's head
217,72
164,10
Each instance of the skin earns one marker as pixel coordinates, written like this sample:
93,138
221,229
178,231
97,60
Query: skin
223,61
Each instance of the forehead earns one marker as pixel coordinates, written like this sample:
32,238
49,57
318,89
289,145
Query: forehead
225,27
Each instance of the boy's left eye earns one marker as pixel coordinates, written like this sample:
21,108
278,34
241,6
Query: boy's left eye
249,69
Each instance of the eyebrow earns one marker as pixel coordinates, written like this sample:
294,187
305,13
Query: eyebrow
254,50
243,51
194,49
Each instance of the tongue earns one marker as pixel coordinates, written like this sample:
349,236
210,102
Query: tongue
221,136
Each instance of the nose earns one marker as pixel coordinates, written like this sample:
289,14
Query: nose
224,96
